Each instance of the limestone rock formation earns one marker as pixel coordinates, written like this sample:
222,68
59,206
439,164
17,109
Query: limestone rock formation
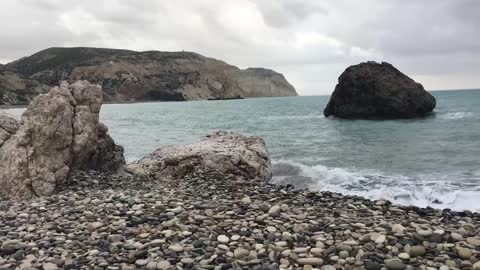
8,126
152,75
58,134
373,90
219,154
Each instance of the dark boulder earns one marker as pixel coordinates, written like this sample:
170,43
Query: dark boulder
373,90
108,157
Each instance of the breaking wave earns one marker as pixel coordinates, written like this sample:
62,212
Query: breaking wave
421,191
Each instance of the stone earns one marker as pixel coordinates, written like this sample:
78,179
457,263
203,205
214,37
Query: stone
476,266
240,253
464,253
456,236
404,256
425,233
175,248
417,251
163,265
381,239
223,239
58,135
394,264
373,265
310,261
378,90
49,266
246,200
274,211
8,126
474,241
220,154
398,228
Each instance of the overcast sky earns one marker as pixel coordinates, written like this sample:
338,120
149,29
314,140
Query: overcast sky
437,42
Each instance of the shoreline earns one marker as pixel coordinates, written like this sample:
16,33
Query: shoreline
157,101
212,223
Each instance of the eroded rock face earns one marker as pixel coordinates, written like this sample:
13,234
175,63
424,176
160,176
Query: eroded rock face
108,156
58,134
373,90
8,126
220,153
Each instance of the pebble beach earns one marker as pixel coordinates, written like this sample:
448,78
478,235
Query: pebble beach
113,222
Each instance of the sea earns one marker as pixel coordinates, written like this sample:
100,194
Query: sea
432,161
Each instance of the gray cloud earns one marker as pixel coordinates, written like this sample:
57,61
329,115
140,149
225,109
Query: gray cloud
311,42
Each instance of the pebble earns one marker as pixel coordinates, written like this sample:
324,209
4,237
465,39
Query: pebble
464,253
162,265
223,239
175,248
212,224
425,233
310,261
240,253
474,241
394,264
416,251
456,236
274,211
49,266
404,256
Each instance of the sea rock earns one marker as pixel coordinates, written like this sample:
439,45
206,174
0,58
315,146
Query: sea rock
57,135
373,90
221,154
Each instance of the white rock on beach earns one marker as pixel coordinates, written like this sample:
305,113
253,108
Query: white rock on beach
58,133
220,154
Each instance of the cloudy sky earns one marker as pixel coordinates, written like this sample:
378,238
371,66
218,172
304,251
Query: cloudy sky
437,42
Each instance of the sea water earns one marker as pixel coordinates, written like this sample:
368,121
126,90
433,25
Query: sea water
432,161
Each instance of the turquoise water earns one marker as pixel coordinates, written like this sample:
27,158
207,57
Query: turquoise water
432,161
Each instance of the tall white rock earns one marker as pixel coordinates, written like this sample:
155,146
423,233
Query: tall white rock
57,134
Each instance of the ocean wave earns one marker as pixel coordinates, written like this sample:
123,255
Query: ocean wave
457,115
421,190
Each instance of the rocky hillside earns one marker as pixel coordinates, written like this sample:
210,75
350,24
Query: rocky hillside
140,76
15,90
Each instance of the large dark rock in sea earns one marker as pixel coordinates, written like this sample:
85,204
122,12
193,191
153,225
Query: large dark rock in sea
373,90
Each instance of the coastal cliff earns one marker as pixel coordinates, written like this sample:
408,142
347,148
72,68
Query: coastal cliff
128,76
15,90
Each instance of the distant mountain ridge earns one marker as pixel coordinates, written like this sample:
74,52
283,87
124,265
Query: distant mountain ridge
127,76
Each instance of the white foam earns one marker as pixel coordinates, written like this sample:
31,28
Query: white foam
457,115
421,191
